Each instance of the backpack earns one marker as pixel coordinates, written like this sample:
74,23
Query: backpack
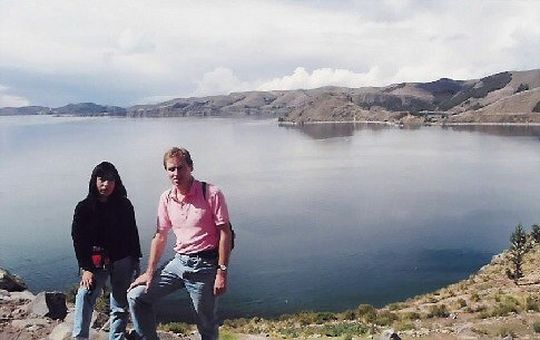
233,234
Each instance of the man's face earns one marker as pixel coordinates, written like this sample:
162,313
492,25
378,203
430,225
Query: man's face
178,170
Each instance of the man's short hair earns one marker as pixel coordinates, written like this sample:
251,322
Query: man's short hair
177,152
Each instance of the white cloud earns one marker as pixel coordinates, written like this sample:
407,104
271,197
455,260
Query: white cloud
139,48
9,100
302,79
220,81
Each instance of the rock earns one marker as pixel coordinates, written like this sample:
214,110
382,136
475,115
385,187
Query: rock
25,295
63,332
29,323
11,282
49,304
389,334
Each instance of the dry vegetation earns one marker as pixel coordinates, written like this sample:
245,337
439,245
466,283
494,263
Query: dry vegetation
486,305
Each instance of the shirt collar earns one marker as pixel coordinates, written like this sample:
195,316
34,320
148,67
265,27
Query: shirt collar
175,195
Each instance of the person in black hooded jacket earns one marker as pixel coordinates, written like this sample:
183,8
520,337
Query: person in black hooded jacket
106,243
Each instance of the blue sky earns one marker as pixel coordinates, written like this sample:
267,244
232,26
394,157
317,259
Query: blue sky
57,52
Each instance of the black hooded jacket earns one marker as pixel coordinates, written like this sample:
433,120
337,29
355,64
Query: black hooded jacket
110,225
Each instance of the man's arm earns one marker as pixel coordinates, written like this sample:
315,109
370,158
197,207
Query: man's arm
156,249
224,251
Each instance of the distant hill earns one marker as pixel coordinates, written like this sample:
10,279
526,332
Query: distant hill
81,109
506,97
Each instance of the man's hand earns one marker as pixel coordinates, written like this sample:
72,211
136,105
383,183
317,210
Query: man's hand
220,284
144,280
87,279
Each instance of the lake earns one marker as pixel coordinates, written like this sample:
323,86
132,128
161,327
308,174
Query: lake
327,216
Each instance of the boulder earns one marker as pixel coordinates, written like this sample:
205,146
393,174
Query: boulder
11,282
63,330
24,296
49,304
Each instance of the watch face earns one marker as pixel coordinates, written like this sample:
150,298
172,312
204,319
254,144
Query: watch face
222,267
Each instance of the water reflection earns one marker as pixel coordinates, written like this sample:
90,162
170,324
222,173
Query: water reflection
332,130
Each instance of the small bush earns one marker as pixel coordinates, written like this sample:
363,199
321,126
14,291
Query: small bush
385,318
396,306
176,327
531,303
535,232
344,329
536,326
411,316
475,297
508,304
439,311
461,303
347,315
505,331
401,326
368,313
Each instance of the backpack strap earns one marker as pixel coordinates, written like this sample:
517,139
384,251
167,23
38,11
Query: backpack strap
233,236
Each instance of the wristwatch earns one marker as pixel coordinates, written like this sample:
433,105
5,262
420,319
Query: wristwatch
222,267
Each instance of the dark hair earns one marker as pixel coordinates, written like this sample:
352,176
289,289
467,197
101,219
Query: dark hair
106,170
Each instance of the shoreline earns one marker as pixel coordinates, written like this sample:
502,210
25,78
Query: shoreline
377,122
293,123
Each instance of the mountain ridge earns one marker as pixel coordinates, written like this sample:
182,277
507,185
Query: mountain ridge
504,97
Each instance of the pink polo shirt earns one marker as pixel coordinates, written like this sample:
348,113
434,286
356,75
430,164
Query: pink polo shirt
193,218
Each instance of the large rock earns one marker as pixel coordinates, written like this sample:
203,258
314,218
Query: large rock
11,282
49,304
63,330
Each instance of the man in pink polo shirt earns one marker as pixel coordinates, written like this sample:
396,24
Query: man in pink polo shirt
200,222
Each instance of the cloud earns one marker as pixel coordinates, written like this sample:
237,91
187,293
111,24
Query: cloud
220,81
302,79
9,100
124,51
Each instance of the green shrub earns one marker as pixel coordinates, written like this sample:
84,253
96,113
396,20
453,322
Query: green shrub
508,304
475,297
368,313
176,327
411,316
396,306
439,311
535,232
505,331
347,315
531,303
344,329
385,318
536,326
461,303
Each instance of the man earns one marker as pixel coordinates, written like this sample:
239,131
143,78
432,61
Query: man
200,222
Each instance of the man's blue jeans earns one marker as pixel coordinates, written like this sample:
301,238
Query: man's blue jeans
121,273
197,275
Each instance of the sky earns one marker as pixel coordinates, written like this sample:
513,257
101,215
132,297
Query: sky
131,52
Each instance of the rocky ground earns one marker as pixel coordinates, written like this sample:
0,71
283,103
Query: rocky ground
487,305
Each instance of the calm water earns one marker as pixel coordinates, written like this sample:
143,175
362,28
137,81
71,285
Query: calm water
327,216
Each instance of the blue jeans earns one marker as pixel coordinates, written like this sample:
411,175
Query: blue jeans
121,273
197,275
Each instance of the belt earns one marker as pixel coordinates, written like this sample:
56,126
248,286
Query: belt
209,254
